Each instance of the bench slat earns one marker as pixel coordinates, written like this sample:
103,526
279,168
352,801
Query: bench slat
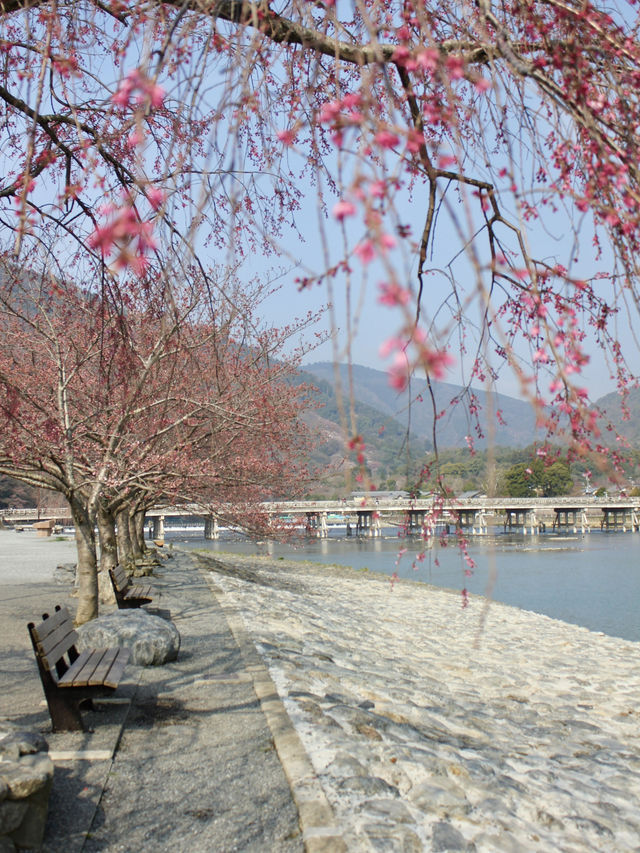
104,667
120,576
57,653
110,667
96,667
116,671
138,592
81,672
99,667
70,675
52,623
58,642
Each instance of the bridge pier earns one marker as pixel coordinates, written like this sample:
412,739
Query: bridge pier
317,524
516,518
415,520
211,527
471,518
568,517
617,517
534,524
480,525
522,517
157,528
368,523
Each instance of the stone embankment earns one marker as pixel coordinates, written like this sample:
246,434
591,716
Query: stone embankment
434,727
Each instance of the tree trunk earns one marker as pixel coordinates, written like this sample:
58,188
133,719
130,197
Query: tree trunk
137,549
87,572
125,548
108,553
138,520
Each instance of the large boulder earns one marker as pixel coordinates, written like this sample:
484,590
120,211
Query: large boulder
152,640
26,776
65,573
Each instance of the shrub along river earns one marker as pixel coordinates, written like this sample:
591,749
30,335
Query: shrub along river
591,580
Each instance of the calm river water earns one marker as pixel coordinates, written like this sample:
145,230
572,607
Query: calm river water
591,580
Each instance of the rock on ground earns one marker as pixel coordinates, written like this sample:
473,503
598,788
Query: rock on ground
152,640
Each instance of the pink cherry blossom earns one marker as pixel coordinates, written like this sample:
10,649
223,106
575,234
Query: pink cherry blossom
391,293
398,373
343,209
287,137
387,139
365,251
156,197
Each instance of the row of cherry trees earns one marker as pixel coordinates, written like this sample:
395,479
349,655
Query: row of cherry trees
119,406
474,163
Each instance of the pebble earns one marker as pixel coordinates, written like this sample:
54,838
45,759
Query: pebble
437,727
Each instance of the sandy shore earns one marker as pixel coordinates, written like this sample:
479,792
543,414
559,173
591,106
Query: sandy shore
437,727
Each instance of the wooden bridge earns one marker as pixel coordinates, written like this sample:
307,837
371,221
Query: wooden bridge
368,516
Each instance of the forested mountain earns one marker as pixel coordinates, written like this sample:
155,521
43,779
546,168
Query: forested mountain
13,493
396,429
414,407
383,439
382,416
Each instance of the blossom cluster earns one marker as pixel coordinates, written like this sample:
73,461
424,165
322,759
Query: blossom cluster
125,235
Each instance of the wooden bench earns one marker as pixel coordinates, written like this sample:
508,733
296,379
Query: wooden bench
69,677
127,594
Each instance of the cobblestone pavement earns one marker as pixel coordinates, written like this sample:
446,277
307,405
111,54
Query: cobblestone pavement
434,727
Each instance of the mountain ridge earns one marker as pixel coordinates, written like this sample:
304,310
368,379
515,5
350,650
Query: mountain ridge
413,408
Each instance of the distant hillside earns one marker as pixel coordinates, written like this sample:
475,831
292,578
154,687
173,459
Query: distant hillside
383,436
371,388
13,493
627,423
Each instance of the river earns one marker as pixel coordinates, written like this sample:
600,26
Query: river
591,580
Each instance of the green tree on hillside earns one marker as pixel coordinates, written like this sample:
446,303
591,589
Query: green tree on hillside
535,478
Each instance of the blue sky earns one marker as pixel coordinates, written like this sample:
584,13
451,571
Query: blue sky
376,323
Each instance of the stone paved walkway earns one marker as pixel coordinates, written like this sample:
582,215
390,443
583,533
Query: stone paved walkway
410,724
186,757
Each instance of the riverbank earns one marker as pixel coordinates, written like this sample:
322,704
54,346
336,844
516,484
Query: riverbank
426,726
590,581
437,727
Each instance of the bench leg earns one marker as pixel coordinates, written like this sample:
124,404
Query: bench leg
65,714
